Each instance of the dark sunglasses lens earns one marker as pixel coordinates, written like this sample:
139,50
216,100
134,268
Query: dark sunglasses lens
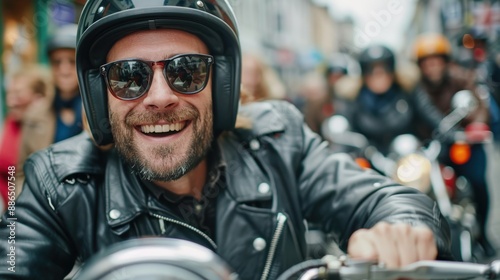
129,79
187,74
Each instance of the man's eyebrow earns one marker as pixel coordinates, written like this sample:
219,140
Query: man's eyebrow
170,55
179,53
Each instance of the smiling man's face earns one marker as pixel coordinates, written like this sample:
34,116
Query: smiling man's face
163,134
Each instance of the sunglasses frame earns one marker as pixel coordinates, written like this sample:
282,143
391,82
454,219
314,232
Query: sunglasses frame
208,59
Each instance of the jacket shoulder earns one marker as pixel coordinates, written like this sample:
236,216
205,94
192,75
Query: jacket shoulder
271,116
76,155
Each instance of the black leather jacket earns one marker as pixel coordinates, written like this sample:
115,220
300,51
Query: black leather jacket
77,200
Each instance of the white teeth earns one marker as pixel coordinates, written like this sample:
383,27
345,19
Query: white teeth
158,128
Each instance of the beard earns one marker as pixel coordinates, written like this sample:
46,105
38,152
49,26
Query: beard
172,162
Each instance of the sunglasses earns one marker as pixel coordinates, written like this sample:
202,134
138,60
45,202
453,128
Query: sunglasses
131,78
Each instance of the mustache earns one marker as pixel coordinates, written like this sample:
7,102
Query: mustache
135,118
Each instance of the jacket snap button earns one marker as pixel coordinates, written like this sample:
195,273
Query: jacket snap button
114,214
259,244
254,144
70,181
264,188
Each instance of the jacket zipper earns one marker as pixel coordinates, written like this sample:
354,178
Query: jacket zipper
162,226
274,243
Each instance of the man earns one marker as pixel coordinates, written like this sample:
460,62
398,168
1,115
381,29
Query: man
180,169
433,98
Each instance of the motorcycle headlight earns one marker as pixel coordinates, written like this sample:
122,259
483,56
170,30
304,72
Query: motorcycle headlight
413,171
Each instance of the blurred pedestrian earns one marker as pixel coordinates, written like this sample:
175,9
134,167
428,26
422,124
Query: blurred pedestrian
30,84
336,69
63,117
433,101
317,104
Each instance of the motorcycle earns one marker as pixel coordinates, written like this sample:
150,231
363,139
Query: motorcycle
413,164
155,258
165,258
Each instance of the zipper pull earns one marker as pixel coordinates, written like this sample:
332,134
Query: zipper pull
162,226
274,243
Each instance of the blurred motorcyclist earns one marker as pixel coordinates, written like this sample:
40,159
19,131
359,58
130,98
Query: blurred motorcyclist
485,72
377,105
433,98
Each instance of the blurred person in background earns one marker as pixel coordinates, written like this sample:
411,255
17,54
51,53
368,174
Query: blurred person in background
432,101
28,85
317,104
337,68
62,118
259,81
486,74
377,104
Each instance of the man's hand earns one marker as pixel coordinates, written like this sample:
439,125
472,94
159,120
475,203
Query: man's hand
394,245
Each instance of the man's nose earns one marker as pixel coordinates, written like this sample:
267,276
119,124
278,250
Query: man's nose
160,95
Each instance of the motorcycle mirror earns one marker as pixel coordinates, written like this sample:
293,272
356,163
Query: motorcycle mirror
337,124
462,103
464,100
336,129
404,144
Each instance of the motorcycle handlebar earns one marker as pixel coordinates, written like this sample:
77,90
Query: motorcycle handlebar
335,268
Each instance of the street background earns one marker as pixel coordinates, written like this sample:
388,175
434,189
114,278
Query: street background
294,37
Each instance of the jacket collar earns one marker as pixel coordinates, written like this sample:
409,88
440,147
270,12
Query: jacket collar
126,195
243,148
77,155
263,114
125,198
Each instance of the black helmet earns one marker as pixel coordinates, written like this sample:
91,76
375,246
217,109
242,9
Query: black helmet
374,55
103,22
63,38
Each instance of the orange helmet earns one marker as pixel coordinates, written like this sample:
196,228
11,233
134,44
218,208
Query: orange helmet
431,44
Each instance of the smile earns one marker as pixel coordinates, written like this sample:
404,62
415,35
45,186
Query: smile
163,128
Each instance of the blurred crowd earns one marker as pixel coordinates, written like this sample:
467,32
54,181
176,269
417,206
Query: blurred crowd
391,96
43,107
381,96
